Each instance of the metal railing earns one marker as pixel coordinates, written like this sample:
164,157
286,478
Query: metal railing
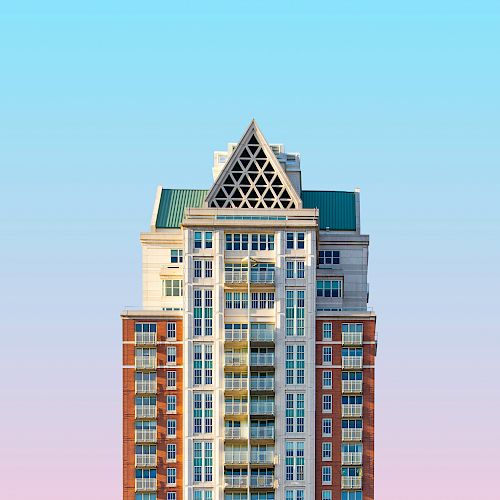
262,384
352,458
351,483
352,434
145,363
350,386
262,457
145,436
262,408
257,276
236,457
235,384
235,335
148,484
262,359
261,481
235,408
352,338
146,411
352,410
145,387
235,359
145,460
261,335
234,433
236,481
236,276
261,432
352,362
145,338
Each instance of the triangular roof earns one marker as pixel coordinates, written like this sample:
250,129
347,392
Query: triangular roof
253,177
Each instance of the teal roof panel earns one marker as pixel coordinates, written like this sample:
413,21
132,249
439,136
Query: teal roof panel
337,209
173,202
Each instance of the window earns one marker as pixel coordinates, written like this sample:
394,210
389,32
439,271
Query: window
326,452
352,495
143,404
327,403
295,313
240,241
352,375
202,412
295,268
171,330
294,416
203,312
328,257
352,424
327,331
327,379
145,333
352,327
175,256
171,379
326,495
203,239
171,288
171,495
295,241
326,427
208,269
326,474
329,288
295,364
198,239
294,495
203,268
350,352
171,355
263,300
203,461
171,403
236,300
145,449
294,460
171,475
327,355
145,473
204,495
203,364
145,496
171,427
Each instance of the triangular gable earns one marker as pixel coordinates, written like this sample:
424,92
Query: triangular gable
253,177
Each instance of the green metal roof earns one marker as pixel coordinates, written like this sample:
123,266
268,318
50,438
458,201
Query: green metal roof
174,201
337,209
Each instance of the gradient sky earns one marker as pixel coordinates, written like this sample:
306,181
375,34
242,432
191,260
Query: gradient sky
100,103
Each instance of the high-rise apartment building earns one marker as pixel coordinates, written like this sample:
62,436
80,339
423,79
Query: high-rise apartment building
248,372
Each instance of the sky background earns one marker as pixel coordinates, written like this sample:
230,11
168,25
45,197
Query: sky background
101,103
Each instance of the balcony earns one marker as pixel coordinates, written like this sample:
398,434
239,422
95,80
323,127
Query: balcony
236,408
262,335
235,277
266,408
235,481
352,338
236,335
262,457
256,276
262,359
145,484
235,359
145,387
146,411
234,433
145,460
352,386
145,362
351,483
145,338
145,436
261,481
352,434
262,384
262,277
352,362
235,457
236,384
352,458
261,432
352,410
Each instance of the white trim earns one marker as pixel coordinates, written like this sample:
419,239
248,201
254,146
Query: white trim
156,206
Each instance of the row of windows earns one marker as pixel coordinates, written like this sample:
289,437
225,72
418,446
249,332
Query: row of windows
239,300
203,268
346,328
203,239
242,241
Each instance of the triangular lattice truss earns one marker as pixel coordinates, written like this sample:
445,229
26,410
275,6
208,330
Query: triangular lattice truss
252,179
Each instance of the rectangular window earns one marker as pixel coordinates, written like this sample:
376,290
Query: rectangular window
294,416
198,240
240,241
202,312
326,474
171,379
295,268
203,364
197,268
326,427
145,333
171,427
326,495
171,355
171,476
203,239
202,412
329,288
327,331
171,403
171,330
172,288
327,355
295,241
295,313
175,256
236,300
294,495
208,269
202,461
171,495
327,379
294,460
326,452
295,364
328,257
327,403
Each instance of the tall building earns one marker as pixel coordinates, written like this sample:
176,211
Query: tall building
248,372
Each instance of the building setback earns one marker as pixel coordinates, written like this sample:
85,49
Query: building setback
248,372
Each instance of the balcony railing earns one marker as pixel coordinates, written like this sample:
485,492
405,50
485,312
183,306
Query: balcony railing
236,481
262,335
235,359
145,460
262,359
350,362
352,434
352,458
351,483
145,387
235,335
355,338
146,411
352,386
236,457
261,481
145,363
235,384
145,338
236,276
262,457
236,408
352,410
145,436
261,432
145,484
257,276
234,433
262,384
262,408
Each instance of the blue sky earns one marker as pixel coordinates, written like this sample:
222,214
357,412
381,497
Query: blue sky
100,103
